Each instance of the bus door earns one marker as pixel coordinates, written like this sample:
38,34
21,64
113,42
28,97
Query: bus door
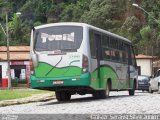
133,73
98,49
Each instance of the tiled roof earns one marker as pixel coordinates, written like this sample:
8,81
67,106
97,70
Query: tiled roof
141,56
15,48
16,53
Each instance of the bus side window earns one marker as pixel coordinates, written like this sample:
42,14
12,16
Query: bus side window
105,41
113,43
92,44
133,60
117,55
124,53
98,45
106,53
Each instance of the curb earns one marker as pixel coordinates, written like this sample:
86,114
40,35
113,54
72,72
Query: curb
33,98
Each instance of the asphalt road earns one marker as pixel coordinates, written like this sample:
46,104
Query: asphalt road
117,103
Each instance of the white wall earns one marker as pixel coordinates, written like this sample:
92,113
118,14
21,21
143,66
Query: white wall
146,66
26,62
4,69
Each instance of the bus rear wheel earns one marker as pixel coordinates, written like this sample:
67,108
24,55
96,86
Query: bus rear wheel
102,94
63,96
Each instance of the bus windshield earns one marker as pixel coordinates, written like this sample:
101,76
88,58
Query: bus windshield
58,38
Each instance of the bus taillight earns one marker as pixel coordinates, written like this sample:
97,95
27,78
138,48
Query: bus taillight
85,64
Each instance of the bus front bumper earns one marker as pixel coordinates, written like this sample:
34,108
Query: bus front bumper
83,80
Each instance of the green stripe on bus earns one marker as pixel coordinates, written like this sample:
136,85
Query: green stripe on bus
106,72
46,70
84,80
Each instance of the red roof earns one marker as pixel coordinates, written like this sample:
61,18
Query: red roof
141,56
15,48
16,53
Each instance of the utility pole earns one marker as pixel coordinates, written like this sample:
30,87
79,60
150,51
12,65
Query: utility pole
8,53
6,33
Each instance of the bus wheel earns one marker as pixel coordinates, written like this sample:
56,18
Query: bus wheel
108,87
132,91
63,96
102,94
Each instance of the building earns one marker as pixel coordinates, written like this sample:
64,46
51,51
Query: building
19,63
144,63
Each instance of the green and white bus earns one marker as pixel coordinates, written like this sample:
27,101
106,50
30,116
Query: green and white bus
77,58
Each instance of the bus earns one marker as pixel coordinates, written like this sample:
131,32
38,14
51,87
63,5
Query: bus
77,58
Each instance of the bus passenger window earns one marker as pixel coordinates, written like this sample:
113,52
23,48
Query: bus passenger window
114,43
117,55
124,57
133,58
92,44
113,55
105,41
106,53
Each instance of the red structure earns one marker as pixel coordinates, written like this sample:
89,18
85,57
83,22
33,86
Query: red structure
4,83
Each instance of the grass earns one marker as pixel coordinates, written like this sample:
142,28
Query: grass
19,93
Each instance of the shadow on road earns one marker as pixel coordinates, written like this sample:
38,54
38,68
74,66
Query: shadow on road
86,99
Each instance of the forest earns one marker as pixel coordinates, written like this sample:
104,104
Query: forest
141,26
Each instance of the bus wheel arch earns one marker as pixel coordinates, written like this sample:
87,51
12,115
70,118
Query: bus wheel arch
109,82
102,94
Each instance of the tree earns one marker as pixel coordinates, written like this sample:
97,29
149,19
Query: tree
15,30
106,14
74,11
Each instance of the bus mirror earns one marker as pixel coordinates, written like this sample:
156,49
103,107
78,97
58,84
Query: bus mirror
35,60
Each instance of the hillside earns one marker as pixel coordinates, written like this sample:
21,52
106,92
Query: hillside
117,16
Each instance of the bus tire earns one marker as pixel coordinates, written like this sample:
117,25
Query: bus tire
132,91
62,96
108,87
102,94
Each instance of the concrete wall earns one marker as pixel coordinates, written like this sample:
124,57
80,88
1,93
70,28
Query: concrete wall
146,66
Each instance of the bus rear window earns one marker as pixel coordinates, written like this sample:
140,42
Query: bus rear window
58,38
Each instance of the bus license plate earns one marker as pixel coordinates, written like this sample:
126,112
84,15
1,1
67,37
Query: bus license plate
58,82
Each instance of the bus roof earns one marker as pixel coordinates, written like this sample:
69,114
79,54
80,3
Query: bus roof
82,24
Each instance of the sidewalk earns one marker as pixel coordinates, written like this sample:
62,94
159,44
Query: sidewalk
33,98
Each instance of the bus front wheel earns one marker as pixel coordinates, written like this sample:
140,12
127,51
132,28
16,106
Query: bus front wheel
132,91
63,96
